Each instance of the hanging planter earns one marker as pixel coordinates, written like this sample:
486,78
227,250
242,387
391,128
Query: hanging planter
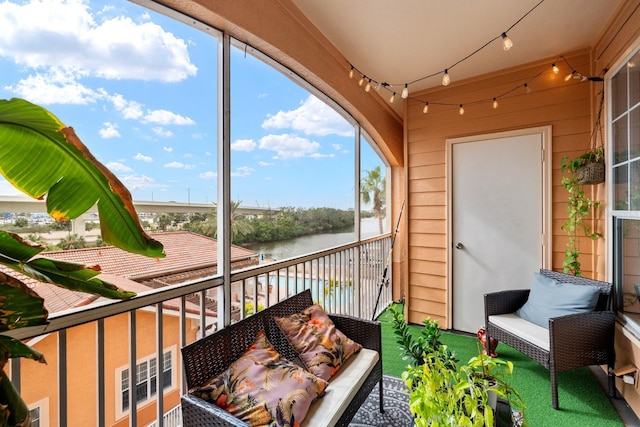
592,169
590,166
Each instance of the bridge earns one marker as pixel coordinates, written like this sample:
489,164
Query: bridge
25,204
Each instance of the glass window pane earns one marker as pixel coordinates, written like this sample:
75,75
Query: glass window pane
620,140
634,186
373,192
634,133
630,274
620,187
619,93
292,155
633,67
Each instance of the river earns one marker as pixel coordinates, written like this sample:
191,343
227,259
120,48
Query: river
314,242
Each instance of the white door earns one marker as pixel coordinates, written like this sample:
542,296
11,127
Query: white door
497,218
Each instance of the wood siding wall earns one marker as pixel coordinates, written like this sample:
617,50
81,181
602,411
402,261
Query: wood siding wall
566,106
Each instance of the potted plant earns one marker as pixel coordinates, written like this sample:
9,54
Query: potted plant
44,158
443,392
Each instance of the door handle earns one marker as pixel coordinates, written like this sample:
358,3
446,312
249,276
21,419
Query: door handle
459,245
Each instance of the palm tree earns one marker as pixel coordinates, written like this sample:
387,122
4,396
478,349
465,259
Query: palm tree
240,226
373,190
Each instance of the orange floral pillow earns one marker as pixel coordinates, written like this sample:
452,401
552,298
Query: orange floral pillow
262,388
321,346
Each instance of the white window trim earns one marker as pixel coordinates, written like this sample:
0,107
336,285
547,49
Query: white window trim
43,404
132,380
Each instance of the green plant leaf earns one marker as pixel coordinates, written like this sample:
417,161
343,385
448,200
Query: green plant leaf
72,181
13,410
19,305
16,348
73,276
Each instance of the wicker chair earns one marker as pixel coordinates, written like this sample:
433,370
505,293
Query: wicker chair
575,340
209,356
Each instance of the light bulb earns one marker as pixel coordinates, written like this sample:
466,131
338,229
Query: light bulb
393,97
569,76
405,92
555,68
461,110
425,109
367,88
351,73
495,103
446,79
361,82
527,88
506,42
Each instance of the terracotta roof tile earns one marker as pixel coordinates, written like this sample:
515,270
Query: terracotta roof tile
184,251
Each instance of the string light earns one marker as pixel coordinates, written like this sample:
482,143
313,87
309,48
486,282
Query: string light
555,68
446,79
405,91
361,82
495,103
506,42
527,88
461,110
351,73
393,97
425,109
367,88
569,76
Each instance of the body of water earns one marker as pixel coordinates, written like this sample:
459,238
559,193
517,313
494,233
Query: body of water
315,242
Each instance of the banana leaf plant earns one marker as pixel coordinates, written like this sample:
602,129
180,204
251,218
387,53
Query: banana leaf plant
46,160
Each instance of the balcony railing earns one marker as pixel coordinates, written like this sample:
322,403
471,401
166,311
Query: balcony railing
109,362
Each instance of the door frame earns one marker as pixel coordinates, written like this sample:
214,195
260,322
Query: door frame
547,169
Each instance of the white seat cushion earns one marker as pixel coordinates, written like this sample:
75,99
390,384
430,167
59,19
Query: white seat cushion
524,329
343,386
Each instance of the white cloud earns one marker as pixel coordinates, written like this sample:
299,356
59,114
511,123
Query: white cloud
168,149
321,156
178,165
263,163
109,130
144,158
243,145
289,146
128,109
208,175
54,86
140,182
165,133
34,33
164,117
313,117
243,171
118,167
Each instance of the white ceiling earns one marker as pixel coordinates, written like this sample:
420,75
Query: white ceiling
399,41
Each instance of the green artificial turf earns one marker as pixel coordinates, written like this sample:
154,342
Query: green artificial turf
583,403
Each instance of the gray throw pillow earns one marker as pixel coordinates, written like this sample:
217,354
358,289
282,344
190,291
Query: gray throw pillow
548,298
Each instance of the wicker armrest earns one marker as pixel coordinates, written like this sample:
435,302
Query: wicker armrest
197,412
504,302
365,332
584,332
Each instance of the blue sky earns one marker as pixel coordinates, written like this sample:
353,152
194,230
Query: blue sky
140,91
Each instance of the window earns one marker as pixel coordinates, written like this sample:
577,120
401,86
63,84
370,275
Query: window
624,146
35,417
146,379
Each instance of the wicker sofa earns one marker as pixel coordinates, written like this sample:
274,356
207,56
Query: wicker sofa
209,356
571,341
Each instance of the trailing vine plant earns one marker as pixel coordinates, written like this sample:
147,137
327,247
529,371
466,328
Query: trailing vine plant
579,209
